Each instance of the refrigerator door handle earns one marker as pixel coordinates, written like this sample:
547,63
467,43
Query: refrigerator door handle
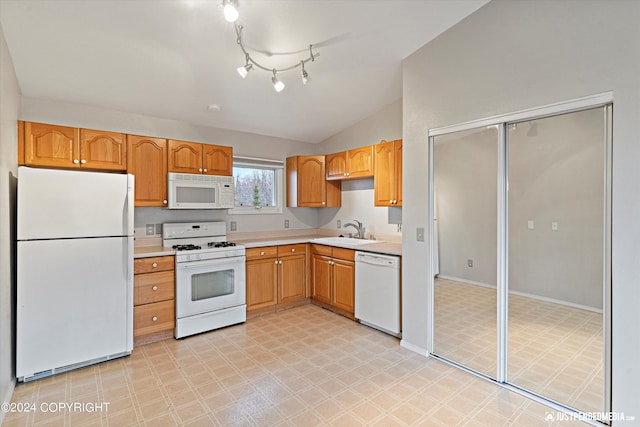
128,254
129,217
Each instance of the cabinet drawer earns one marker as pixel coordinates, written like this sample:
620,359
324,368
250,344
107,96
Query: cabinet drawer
346,254
151,318
322,250
153,287
261,253
288,250
153,264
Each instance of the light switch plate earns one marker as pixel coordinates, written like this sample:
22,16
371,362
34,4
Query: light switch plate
531,225
151,229
420,234
233,226
286,223
554,226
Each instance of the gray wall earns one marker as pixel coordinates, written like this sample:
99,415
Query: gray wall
510,56
558,176
357,195
9,108
465,182
243,143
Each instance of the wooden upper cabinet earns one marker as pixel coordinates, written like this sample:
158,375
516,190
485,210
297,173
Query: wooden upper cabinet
103,150
387,181
51,145
192,157
352,164
336,165
360,162
147,160
184,157
217,160
307,186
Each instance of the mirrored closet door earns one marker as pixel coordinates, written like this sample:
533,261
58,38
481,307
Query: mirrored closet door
521,244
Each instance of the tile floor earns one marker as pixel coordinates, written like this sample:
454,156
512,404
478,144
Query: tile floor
302,367
554,350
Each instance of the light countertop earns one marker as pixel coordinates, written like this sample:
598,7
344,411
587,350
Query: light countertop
389,248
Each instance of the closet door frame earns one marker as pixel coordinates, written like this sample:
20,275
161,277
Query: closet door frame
501,122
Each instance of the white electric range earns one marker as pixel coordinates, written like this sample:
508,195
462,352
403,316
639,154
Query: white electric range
210,277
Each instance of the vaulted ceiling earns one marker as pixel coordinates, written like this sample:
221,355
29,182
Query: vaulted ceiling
173,58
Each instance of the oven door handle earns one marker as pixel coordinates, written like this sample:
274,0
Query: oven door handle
209,262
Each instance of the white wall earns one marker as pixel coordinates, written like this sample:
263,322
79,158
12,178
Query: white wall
509,56
243,143
357,195
9,108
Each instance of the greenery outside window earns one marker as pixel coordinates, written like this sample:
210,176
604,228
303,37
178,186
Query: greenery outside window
258,186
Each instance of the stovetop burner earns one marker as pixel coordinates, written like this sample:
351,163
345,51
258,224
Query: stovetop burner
220,244
186,247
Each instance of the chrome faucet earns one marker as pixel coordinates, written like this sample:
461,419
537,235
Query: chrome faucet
359,228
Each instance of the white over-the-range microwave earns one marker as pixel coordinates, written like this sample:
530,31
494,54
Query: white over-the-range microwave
192,191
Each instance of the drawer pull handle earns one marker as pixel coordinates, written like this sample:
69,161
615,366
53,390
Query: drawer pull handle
154,288
154,318
154,265
293,250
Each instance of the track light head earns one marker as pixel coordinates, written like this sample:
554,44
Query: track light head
231,14
277,84
305,75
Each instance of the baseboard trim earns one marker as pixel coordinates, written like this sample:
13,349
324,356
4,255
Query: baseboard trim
412,347
524,294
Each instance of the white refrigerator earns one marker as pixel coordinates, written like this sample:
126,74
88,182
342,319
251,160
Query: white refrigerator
74,270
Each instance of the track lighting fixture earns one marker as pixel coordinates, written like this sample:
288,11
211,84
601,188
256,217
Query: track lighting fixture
231,14
277,84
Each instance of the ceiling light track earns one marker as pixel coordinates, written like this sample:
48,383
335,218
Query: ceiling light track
231,14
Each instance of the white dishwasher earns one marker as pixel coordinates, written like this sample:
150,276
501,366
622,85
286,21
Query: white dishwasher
378,291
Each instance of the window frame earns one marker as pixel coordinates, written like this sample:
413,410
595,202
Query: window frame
278,167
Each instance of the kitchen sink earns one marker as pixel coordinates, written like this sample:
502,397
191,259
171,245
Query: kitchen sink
344,240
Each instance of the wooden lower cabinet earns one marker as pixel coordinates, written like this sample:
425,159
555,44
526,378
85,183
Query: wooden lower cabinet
276,276
333,278
154,299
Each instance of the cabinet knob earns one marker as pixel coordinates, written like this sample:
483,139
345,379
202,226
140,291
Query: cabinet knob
261,252
83,161
154,265
199,169
280,262
344,174
76,161
205,169
154,288
276,262
164,202
348,174
324,203
293,249
154,318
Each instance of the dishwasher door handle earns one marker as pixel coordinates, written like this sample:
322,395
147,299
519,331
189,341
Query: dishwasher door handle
377,260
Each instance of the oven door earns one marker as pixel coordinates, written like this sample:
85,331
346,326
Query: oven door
205,286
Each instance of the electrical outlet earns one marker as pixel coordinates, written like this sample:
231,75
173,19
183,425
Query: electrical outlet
531,224
158,228
233,226
420,234
151,229
469,263
338,224
554,226
286,223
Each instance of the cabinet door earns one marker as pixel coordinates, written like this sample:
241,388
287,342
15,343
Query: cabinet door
103,150
336,165
217,160
360,162
384,178
184,157
344,285
50,145
311,181
398,159
321,278
261,280
291,278
147,160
